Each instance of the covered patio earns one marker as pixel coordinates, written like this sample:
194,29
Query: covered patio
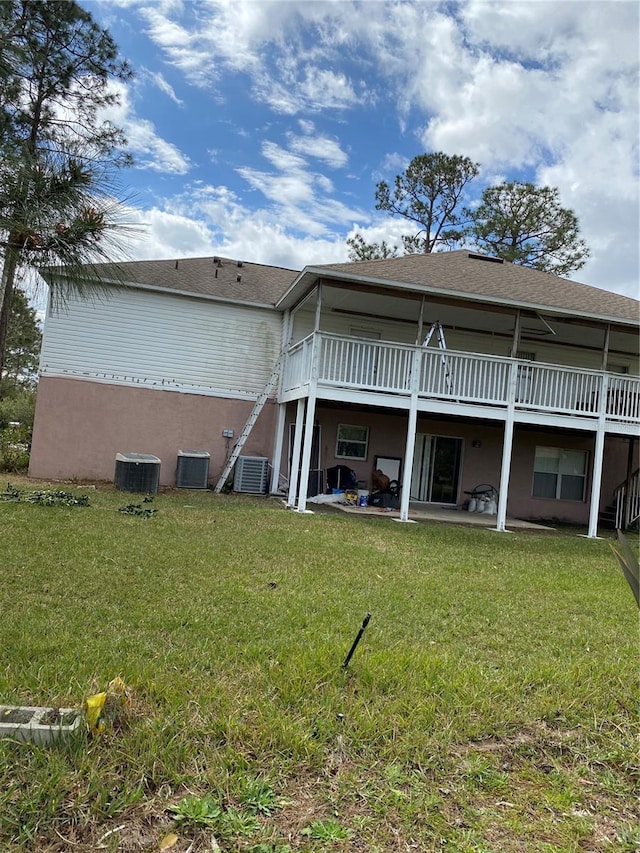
427,512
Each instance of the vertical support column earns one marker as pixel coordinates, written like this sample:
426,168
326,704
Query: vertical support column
507,448
419,336
411,436
515,344
596,483
605,347
505,472
598,456
277,448
295,456
316,322
305,466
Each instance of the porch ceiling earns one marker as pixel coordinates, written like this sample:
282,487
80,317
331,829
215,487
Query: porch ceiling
462,315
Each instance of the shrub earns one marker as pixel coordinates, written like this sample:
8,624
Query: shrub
15,444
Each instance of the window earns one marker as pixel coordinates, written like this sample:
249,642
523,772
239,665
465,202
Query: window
352,442
559,474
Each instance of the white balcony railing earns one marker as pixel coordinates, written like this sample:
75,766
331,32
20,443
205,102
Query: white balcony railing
385,367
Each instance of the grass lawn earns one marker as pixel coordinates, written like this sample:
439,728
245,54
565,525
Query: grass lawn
490,707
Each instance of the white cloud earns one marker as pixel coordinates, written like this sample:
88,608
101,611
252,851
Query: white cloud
148,148
264,40
546,89
209,220
317,145
158,80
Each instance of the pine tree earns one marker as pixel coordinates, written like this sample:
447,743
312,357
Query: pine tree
57,155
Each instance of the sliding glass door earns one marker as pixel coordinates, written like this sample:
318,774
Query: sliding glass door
436,469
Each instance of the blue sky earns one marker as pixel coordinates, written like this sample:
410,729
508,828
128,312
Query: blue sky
261,128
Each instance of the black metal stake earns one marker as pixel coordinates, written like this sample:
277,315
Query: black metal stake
365,622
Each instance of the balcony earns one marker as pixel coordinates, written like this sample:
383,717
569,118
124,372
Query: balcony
349,368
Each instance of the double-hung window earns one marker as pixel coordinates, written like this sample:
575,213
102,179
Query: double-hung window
559,474
352,442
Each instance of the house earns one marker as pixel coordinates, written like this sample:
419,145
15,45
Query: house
454,368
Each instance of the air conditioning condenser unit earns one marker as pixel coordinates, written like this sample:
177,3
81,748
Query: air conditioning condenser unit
251,475
192,471
137,472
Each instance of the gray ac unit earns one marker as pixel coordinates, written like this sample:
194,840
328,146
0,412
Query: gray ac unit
251,475
192,471
137,472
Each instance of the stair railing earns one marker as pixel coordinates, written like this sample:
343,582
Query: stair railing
627,501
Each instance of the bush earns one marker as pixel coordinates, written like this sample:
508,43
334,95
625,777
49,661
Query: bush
18,408
15,444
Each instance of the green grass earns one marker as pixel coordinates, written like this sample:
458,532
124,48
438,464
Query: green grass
490,707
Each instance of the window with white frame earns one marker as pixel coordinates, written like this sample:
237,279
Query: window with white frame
352,442
559,474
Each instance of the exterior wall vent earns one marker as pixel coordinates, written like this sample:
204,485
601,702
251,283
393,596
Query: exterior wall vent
137,472
192,471
475,257
251,475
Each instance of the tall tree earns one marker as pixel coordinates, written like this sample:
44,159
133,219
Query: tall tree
428,194
23,345
360,250
527,225
57,155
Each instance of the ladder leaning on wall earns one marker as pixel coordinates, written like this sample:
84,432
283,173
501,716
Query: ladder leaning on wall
246,429
442,344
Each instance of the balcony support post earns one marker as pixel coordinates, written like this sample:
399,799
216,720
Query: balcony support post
277,448
305,465
412,422
507,447
598,457
295,456
505,472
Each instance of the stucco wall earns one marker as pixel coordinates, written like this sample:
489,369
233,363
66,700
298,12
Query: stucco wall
80,426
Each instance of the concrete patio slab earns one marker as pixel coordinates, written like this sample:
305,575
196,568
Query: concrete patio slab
450,515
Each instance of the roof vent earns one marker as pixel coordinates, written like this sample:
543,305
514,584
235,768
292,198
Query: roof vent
240,264
238,278
217,262
475,257
176,265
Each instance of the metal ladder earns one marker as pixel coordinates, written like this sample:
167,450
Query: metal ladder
246,429
437,328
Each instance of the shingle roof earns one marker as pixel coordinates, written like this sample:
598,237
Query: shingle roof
465,272
216,276
459,272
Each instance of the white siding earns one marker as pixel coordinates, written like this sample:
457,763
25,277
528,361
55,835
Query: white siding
151,339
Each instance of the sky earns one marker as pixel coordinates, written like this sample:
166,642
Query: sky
260,128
